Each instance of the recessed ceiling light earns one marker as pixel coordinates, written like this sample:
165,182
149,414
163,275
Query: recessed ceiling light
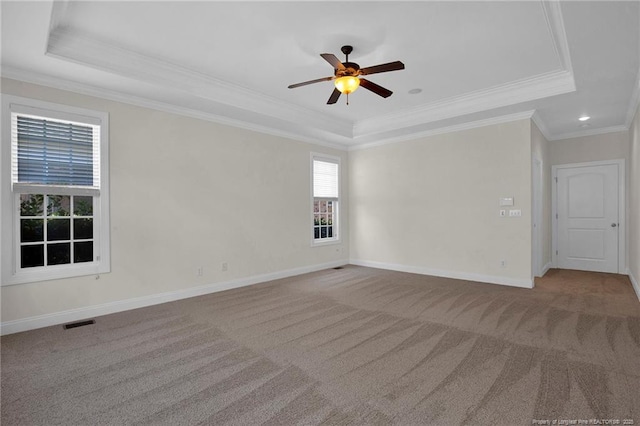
415,91
584,118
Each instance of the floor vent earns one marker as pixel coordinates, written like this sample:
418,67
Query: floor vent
339,267
78,324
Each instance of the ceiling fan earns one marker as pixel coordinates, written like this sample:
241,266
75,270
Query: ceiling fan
347,76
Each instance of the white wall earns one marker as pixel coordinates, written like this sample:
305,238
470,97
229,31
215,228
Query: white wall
608,146
634,203
187,193
431,205
540,150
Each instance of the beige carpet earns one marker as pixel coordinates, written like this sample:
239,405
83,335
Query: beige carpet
348,346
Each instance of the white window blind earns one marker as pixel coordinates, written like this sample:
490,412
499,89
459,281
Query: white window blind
55,152
325,179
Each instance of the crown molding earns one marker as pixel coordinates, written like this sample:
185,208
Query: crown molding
449,129
112,95
555,23
542,126
541,86
550,84
634,103
72,45
58,13
590,132
277,118
195,94
67,44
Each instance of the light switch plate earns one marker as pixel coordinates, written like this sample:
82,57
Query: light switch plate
506,201
503,213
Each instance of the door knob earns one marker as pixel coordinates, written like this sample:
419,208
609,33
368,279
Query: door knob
613,225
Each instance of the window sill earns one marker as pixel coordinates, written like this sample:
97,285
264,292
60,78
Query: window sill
55,273
321,243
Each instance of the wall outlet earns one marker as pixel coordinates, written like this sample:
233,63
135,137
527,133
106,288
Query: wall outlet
225,266
503,212
199,271
503,263
515,213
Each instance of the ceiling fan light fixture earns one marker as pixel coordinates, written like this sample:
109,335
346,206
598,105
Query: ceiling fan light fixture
347,84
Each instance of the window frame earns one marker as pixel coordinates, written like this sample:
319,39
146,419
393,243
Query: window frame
337,235
11,272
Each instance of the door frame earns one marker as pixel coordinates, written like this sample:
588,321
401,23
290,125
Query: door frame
537,176
622,210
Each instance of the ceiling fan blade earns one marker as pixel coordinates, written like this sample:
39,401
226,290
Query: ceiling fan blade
391,66
331,58
334,97
293,86
378,90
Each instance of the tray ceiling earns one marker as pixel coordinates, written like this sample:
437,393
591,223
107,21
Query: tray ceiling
474,62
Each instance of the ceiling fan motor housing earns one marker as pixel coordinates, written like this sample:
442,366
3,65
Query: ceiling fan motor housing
350,69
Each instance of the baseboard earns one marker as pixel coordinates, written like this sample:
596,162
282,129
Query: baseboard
634,283
31,323
491,279
546,268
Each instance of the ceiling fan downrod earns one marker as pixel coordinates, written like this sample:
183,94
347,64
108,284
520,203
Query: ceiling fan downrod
346,50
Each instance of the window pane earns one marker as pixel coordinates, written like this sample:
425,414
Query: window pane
58,254
82,229
316,206
31,256
58,205
58,229
31,230
330,232
31,204
316,232
323,206
83,252
323,232
83,206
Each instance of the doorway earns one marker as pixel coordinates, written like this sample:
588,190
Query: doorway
589,222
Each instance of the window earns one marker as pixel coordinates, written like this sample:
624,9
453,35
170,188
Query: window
325,175
55,197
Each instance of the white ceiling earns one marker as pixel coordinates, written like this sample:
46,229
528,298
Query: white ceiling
475,62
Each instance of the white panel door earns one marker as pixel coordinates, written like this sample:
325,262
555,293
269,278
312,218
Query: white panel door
587,207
